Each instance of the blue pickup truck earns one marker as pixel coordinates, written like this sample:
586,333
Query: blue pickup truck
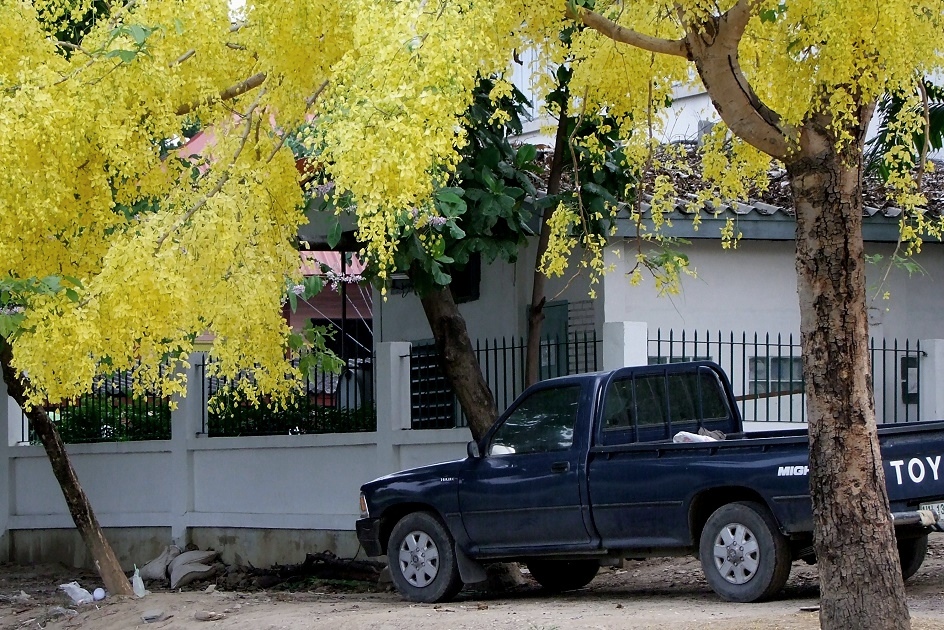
582,471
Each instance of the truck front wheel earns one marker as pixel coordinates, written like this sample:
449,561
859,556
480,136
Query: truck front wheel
743,554
422,559
563,575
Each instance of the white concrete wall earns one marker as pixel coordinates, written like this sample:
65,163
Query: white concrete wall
262,499
198,486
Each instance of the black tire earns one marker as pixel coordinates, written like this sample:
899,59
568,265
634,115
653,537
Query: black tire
422,559
563,575
911,552
743,554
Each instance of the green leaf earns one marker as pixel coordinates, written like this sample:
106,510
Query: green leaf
768,16
10,324
440,278
296,341
72,294
438,249
139,33
450,195
52,284
490,182
334,234
600,191
126,56
178,26
292,300
313,285
526,153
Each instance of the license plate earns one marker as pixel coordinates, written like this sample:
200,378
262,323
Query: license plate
937,507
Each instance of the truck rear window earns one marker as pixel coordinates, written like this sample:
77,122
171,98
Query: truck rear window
649,406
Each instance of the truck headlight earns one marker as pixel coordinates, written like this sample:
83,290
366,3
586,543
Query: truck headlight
364,511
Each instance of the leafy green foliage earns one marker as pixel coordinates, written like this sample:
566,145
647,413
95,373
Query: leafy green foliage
890,109
228,417
483,207
98,418
14,292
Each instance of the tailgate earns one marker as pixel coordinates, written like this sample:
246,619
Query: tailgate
913,456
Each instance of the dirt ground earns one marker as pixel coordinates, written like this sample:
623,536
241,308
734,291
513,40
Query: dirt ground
653,594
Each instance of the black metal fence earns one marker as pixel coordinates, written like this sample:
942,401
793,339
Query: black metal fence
502,361
766,372
327,403
109,413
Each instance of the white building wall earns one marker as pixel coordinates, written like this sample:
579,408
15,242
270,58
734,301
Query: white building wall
753,288
501,309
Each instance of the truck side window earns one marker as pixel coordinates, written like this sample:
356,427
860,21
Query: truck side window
544,421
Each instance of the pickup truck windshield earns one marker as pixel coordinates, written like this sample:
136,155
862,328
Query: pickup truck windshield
543,422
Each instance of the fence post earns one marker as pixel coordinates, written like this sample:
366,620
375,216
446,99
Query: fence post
931,396
393,401
11,422
624,344
185,422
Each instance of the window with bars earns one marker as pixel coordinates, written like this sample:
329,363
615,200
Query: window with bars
661,360
776,375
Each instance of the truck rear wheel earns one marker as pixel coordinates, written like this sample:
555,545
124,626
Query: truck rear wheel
422,559
911,552
743,554
563,575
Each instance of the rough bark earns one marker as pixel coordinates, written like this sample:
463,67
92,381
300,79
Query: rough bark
532,363
860,579
458,360
106,563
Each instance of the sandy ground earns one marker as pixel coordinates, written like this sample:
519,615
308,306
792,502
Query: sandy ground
661,593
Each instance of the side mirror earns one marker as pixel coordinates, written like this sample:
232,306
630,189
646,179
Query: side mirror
472,449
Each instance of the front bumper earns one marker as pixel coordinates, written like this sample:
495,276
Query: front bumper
918,519
368,534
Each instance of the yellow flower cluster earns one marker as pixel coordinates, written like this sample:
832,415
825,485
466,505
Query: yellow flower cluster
166,247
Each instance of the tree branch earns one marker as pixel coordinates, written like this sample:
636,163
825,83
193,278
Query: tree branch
618,33
71,46
223,178
926,114
314,97
732,95
229,93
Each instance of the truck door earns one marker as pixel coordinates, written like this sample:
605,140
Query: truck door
525,491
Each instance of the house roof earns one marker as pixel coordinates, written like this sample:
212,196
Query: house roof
768,214
758,220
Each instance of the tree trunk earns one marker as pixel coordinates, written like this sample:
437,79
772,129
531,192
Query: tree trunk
532,363
79,507
459,361
860,578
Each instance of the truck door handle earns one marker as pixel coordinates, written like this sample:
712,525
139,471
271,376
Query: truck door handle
560,467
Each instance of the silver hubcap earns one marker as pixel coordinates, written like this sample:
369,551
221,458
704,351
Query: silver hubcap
419,559
736,553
